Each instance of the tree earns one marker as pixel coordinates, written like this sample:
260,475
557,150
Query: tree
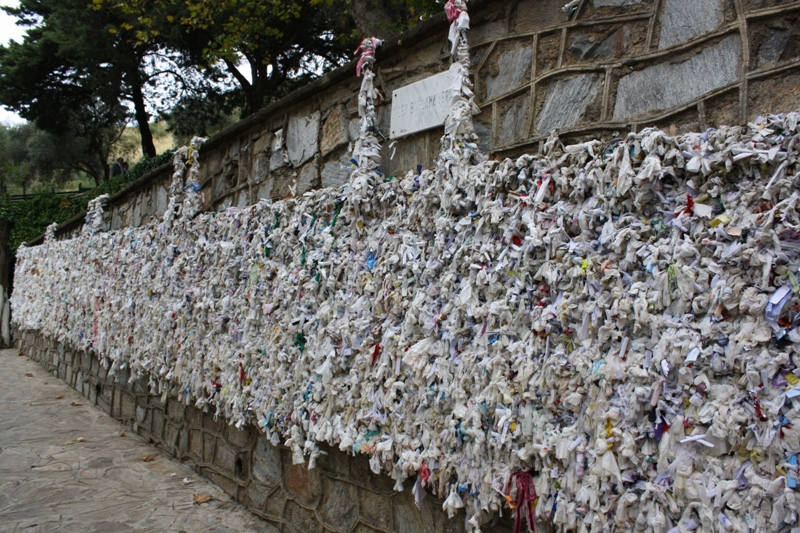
384,18
202,114
264,45
71,58
269,47
29,154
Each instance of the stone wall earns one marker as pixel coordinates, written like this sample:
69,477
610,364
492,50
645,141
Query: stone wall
340,495
614,66
609,67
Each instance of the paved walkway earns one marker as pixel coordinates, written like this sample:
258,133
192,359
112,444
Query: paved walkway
67,466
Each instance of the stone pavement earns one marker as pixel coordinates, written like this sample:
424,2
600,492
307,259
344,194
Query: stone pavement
67,466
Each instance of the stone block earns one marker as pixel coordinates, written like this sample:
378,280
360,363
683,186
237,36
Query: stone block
171,434
407,518
263,143
276,502
339,506
116,403
242,198
774,40
183,442
116,220
245,166
441,523
335,462
141,415
775,94
512,71
266,463
94,389
157,424
302,138
107,393
121,377
513,120
683,20
669,85
336,171
724,109
301,520
265,190
176,411
376,509
155,402
567,100
104,406
482,123
547,52
86,360
307,178
136,219
299,481
253,497
233,149
194,416
334,130
239,438
213,160
380,483
208,447
279,157
127,406
488,32
225,457
228,485
196,444
213,424
605,42
142,387
354,129
260,170
162,200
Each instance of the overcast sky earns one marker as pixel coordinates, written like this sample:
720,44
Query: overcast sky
9,31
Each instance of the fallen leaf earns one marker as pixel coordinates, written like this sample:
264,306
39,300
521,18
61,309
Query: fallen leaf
76,404
202,498
122,434
59,397
148,458
29,375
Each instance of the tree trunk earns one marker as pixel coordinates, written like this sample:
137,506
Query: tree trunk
371,18
105,176
142,118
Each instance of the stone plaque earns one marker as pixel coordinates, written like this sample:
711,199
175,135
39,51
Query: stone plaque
421,106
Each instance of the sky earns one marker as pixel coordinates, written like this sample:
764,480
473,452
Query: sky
9,31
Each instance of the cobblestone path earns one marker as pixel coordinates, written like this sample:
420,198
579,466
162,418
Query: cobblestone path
67,466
